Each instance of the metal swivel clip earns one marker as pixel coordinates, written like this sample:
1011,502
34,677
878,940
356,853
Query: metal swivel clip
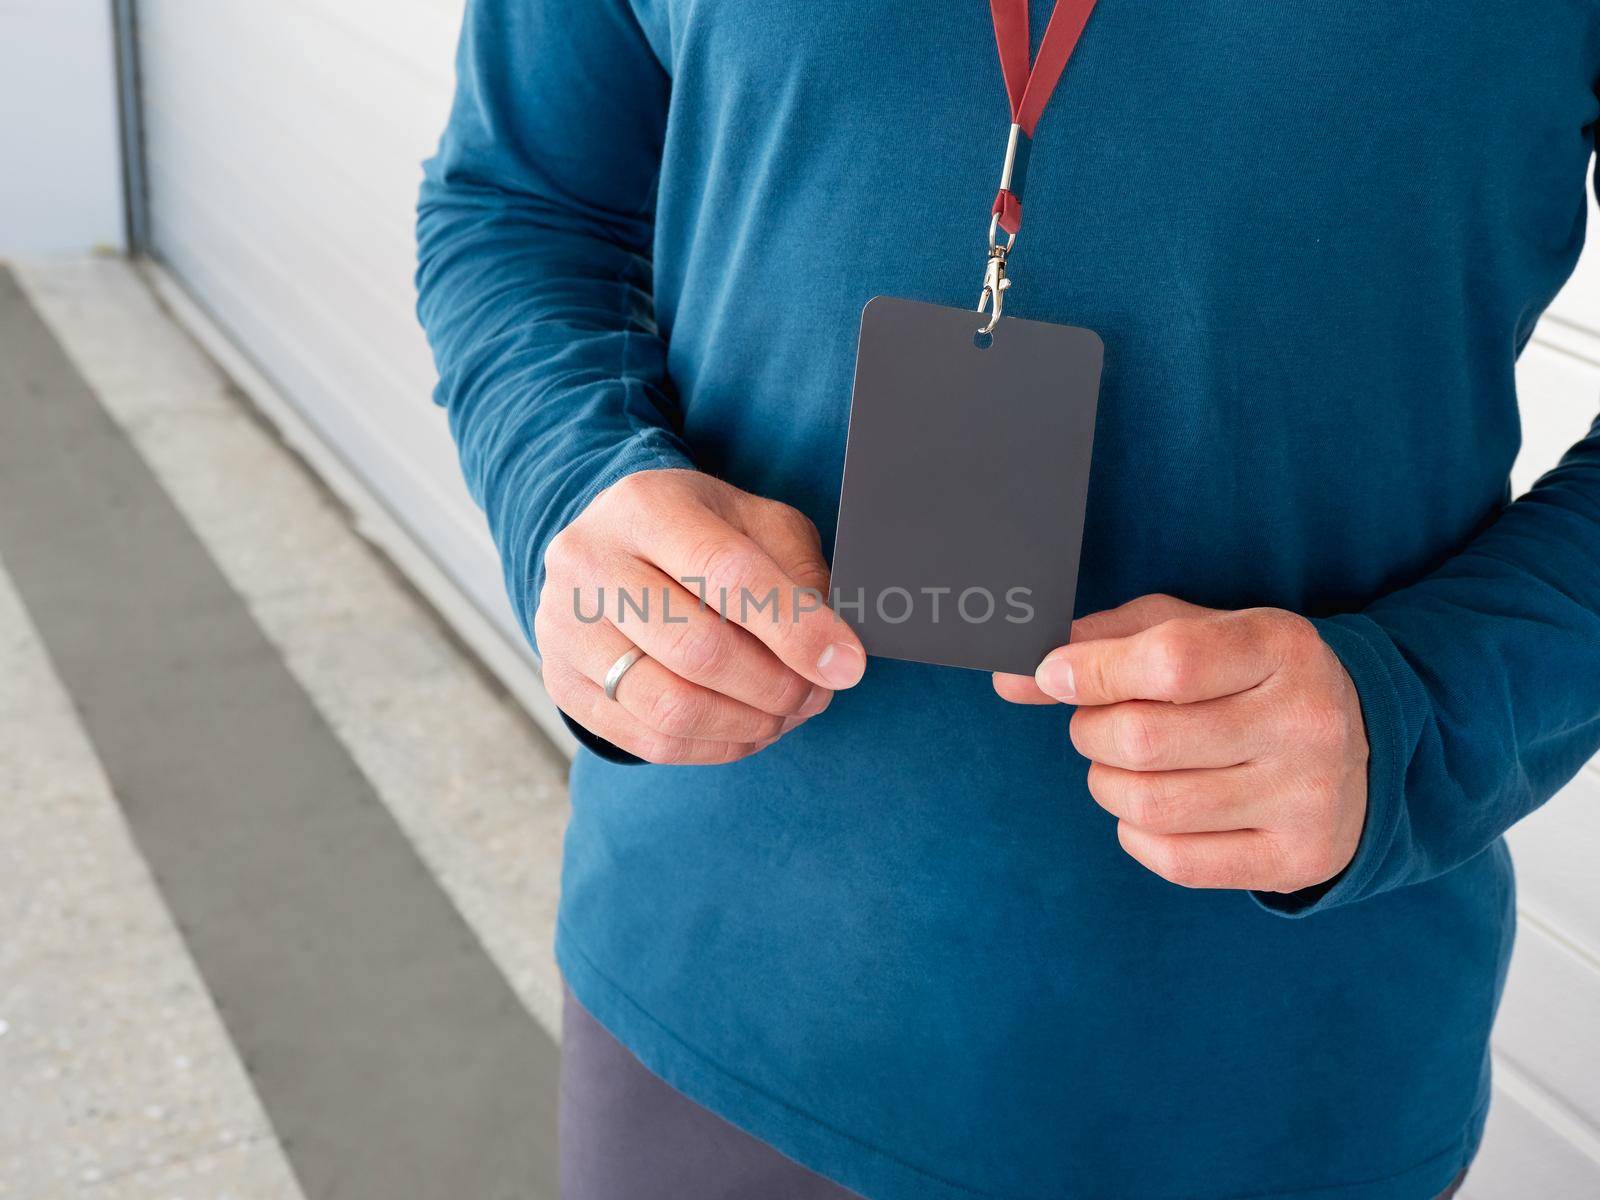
992,298
995,283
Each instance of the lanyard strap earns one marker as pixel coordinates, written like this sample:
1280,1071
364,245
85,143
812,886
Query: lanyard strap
1030,88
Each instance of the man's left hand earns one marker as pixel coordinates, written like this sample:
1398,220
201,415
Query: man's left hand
1229,745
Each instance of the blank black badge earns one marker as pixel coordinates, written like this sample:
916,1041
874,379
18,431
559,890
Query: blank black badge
965,480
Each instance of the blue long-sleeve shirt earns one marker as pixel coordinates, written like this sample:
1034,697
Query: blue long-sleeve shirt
903,945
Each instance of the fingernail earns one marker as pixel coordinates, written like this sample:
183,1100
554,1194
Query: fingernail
1054,678
816,701
841,665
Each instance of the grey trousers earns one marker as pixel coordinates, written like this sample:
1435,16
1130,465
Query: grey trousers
626,1135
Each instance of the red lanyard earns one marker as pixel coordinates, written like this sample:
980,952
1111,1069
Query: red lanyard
1030,89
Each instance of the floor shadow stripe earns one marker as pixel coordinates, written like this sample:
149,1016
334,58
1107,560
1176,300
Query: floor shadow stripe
391,1056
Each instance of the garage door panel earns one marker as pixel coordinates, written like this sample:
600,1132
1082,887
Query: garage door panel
371,355
447,526
302,139
382,193
314,344
419,34
1547,1021
321,61
311,226
1524,1158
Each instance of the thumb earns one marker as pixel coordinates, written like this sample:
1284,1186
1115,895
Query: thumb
1123,621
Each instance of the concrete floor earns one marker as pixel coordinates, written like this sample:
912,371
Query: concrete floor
119,1077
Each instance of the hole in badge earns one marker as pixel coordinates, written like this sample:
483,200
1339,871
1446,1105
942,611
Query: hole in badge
982,340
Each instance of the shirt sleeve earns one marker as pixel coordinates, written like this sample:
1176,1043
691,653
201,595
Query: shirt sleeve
1480,687
534,230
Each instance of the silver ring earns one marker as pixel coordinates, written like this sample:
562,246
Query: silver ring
619,669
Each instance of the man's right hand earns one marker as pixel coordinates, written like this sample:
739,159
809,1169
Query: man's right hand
740,646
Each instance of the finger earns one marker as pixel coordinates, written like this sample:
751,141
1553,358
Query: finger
695,643
667,702
1188,801
743,582
1146,735
1244,858
584,701
1181,661
789,538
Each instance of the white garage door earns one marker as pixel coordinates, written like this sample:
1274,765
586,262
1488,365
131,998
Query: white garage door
283,143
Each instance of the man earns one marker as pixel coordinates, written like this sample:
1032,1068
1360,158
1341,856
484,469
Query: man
1235,922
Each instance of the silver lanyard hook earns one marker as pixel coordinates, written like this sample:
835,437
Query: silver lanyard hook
992,298
995,283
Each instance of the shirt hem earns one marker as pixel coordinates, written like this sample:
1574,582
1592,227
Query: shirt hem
878,1174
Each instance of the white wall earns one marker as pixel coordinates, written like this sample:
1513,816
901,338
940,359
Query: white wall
60,161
